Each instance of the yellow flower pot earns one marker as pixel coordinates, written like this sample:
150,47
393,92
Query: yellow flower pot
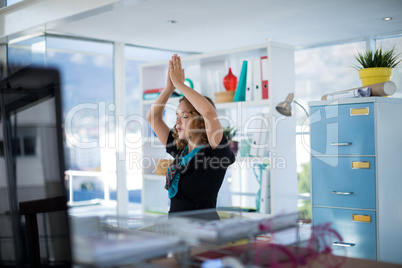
370,76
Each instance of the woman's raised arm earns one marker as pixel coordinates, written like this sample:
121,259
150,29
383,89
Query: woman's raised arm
155,113
201,104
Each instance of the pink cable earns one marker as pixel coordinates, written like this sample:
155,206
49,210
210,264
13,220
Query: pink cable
319,247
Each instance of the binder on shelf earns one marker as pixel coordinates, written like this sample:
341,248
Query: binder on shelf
257,93
154,90
249,81
264,77
240,94
259,141
152,94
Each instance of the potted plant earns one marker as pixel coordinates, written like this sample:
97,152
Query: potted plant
376,66
230,132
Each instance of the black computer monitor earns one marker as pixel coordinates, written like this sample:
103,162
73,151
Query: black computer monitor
32,165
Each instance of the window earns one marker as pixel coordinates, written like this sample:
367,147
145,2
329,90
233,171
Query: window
12,2
86,68
322,70
87,73
26,52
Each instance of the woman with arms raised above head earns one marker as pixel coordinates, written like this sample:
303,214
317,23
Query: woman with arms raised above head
201,151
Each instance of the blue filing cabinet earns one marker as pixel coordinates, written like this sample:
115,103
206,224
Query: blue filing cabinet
356,174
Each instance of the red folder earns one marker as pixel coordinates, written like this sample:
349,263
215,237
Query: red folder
264,77
155,90
159,90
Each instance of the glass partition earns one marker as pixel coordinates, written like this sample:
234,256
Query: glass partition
88,112
32,170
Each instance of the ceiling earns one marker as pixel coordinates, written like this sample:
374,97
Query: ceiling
213,25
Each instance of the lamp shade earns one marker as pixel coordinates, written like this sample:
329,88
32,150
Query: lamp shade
284,107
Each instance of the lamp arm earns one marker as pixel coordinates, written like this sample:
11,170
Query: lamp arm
302,107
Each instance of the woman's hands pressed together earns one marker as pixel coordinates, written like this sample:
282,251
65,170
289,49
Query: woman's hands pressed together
169,85
176,72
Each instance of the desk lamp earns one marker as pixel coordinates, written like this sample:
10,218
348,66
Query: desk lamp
285,107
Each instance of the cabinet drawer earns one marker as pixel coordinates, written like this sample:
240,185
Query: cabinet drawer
346,129
343,182
356,227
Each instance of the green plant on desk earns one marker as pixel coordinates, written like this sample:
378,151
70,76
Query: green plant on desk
376,66
378,58
229,132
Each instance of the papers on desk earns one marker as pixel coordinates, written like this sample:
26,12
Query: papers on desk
217,232
112,245
222,231
118,247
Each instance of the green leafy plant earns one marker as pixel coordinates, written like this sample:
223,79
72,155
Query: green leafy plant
378,58
229,132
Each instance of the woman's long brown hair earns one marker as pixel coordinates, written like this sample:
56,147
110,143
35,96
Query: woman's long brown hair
197,125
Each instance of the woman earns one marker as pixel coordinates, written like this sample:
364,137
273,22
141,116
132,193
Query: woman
197,143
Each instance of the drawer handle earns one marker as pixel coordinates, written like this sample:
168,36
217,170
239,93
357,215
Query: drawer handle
359,111
360,165
342,193
343,244
361,218
340,143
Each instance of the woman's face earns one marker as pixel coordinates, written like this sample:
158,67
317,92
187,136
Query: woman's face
183,121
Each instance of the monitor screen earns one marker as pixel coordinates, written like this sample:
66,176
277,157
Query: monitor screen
32,166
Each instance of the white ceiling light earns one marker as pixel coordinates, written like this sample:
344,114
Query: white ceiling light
388,18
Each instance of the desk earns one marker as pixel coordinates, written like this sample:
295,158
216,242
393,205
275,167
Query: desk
311,263
349,263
